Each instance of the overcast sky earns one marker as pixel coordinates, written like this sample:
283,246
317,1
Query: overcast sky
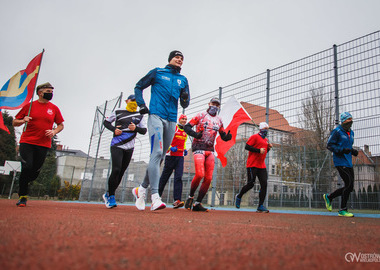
96,49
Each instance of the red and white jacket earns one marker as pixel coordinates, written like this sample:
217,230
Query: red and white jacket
179,141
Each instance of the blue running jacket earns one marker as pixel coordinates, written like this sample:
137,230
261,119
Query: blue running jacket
167,85
338,141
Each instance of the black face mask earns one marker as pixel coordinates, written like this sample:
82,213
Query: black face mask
48,96
347,126
212,110
263,133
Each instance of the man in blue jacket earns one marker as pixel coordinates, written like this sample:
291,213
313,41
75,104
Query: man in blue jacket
340,143
167,86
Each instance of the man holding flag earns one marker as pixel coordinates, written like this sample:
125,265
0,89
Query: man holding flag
38,117
208,124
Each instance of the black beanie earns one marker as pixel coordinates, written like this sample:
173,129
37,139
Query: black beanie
173,54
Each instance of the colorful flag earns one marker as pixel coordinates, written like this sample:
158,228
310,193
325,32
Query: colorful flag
2,126
233,114
19,89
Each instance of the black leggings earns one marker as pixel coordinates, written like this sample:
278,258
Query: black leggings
32,159
172,163
120,161
347,175
262,174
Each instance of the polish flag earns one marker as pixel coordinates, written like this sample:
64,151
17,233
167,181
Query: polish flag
232,114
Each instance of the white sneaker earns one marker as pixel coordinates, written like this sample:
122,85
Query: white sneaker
157,204
106,200
139,193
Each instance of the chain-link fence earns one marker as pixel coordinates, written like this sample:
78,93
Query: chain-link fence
301,102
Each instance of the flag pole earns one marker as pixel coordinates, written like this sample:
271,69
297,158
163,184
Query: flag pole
30,106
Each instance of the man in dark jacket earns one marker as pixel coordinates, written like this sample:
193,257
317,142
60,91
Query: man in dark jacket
340,143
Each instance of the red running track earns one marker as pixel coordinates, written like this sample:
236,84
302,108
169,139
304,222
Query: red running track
57,235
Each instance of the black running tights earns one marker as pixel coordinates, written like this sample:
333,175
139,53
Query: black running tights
347,175
120,161
262,174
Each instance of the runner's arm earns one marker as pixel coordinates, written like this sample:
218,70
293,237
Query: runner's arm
251,148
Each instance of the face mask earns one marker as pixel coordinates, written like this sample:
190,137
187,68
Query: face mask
347,126
212,110
48,96
131,106
263,133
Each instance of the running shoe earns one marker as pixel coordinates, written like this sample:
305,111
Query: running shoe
327,202
189,203
262,209
345,213
237,201
198,207
157,204
112,201
106,199
22,201
178,204
139,193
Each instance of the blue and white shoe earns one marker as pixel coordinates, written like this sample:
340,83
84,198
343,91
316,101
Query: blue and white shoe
112,201
107,200
237,201
262,209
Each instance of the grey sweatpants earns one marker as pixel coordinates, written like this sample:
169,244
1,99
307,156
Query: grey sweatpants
161,133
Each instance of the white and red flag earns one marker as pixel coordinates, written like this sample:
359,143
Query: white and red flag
232,114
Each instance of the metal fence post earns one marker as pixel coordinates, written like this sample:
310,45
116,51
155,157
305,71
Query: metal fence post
96,156
215,173
267,120
336,85
88,155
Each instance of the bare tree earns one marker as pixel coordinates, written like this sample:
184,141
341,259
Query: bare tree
317,119
317,116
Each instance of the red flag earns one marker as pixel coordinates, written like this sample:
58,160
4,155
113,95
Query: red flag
2,126
19,89
233,114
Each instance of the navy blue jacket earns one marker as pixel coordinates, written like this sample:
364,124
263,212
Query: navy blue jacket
167,86
338,141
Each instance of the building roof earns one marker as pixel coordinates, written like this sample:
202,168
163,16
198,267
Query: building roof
362,159
71,152
276,120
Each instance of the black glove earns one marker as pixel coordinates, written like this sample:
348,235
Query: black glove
346,151
184,95
198,135
143,109
354,152
226,137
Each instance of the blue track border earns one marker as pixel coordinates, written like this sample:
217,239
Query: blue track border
297,212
